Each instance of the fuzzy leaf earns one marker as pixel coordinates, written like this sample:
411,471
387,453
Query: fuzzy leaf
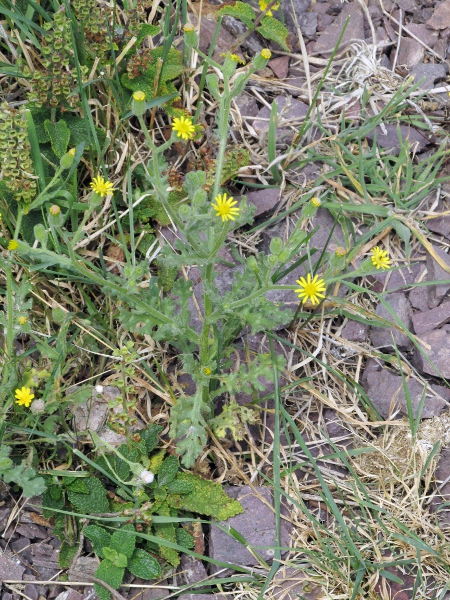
118,559
240,10
99,537
168,470
184,538
111,575
95,501
124,542
66,554
180,487
25,478
143,565
150,436
166,531
272,29
207,498
59,136
145,30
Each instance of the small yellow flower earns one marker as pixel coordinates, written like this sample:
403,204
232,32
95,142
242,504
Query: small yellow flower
234,57
224,207
101,186
184,128
316,201
311,289
206,371
380,258
263,4
188,27
54,210
266,53
22,320
24,397
139,96
340,251
72,151
13,245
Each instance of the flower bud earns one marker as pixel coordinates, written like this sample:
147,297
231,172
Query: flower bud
190,37
276,245
99,389
184,212
66,161
252,264
261,59
147,477
138,104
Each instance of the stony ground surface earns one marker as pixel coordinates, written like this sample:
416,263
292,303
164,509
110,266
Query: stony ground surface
413,38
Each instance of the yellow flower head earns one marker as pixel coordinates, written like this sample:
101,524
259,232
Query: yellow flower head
24,397
72,151
380,258
184,128
188,27
101,187
311,288
234,57
54,210
13,245
263,4
206,371
340,251
316,201
22,320
139,96
224,207
266,53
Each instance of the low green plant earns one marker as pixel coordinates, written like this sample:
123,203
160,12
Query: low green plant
148,483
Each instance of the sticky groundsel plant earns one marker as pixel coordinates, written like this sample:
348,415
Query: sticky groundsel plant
147,483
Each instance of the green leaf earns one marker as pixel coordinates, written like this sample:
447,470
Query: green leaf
207,498
77,485
239,10
111,575
184,538
59,136
150,436
99,537
145,30
124,542
169,470
118,559
66,554
95,501
272,29
142,565
25,478
177,486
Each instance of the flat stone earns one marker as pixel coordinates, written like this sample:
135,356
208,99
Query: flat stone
439,353
224,42
430,73
407,5
384,338
296,11
411,52
441,16
431,319
389,140
31,591
427,35
354,331
150,593
395,280
23,548
248,107
385,390
280,66
355,29
93,414
440,225
290,116
256,525
264,200
32,531
436,273
418,298
193,570
70,595
10,568
83,569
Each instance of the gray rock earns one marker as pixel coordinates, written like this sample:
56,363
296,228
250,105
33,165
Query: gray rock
264,200
94,413
436,273
441,16
411,53
83,569
70,595
225,39
385,390
438,354
193,569
355,29
430,73
431,319
296,11
383,338
32,531
418,297
389,140
22,547
290,116
395,280
248,107
291,584
407,5
256,525
280,66
10,568
31,591
353,331
440,225
151,593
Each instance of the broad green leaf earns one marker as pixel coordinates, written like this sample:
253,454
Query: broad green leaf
99,538
124,542
59,135
143,565
111,575
272,29
95,501
169,470
239,10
